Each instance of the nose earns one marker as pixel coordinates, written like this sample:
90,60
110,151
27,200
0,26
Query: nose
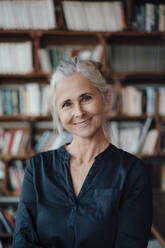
78,110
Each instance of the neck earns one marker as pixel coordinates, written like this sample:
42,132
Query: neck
90,146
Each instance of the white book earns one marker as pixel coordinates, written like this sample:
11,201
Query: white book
89,15
150,16
151,100
68,14
20,169
150,142
73,15
117,7
1,101
161,17
129,139
51,14
98,16
21,100
45,101
162,101
114,133
97,53
2,170
108,16
7,139
144,132
16,141
45,61
79,16
33,94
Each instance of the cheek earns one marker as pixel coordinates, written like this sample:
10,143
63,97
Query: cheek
98,108
64,117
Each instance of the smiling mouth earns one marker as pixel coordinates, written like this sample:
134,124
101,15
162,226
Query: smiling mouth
83,122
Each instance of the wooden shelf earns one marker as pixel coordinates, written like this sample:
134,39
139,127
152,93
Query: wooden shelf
156,159
17,156
9,199
26,78
135,37
6,235
139,77
11,118
123,117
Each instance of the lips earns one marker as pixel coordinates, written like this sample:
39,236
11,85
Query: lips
82,123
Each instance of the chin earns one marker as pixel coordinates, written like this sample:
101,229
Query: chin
86,133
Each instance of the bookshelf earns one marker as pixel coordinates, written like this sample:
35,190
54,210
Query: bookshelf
61,36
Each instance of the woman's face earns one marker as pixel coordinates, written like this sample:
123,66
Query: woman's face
79,105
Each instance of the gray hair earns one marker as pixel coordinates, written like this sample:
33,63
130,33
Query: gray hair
88,69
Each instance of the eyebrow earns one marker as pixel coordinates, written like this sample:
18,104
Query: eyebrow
81,96
84,94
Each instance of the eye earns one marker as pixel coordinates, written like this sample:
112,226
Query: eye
66,104
86,98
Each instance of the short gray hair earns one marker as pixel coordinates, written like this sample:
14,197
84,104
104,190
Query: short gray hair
88,69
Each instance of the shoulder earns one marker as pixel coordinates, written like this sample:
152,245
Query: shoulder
48,158
129,164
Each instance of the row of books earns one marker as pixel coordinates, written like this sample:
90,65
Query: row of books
134,137
25,14
16,58
148,58
27,99
13,141
94,16
134,58
15,175
50,57
137,100
158,177
149,17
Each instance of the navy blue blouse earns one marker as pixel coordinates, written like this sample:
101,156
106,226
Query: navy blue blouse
112,210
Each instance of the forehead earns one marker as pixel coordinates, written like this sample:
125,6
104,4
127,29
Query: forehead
73,86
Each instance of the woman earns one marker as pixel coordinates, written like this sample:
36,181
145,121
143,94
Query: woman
89,193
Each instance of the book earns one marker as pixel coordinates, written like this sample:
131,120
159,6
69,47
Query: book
162,177
129,136
33,94
150,142
161,100
14,184
16,141
45,62
144,132
131,101
5,223
161,21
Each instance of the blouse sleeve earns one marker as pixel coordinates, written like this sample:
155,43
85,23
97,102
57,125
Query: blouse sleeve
135,214
25,234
